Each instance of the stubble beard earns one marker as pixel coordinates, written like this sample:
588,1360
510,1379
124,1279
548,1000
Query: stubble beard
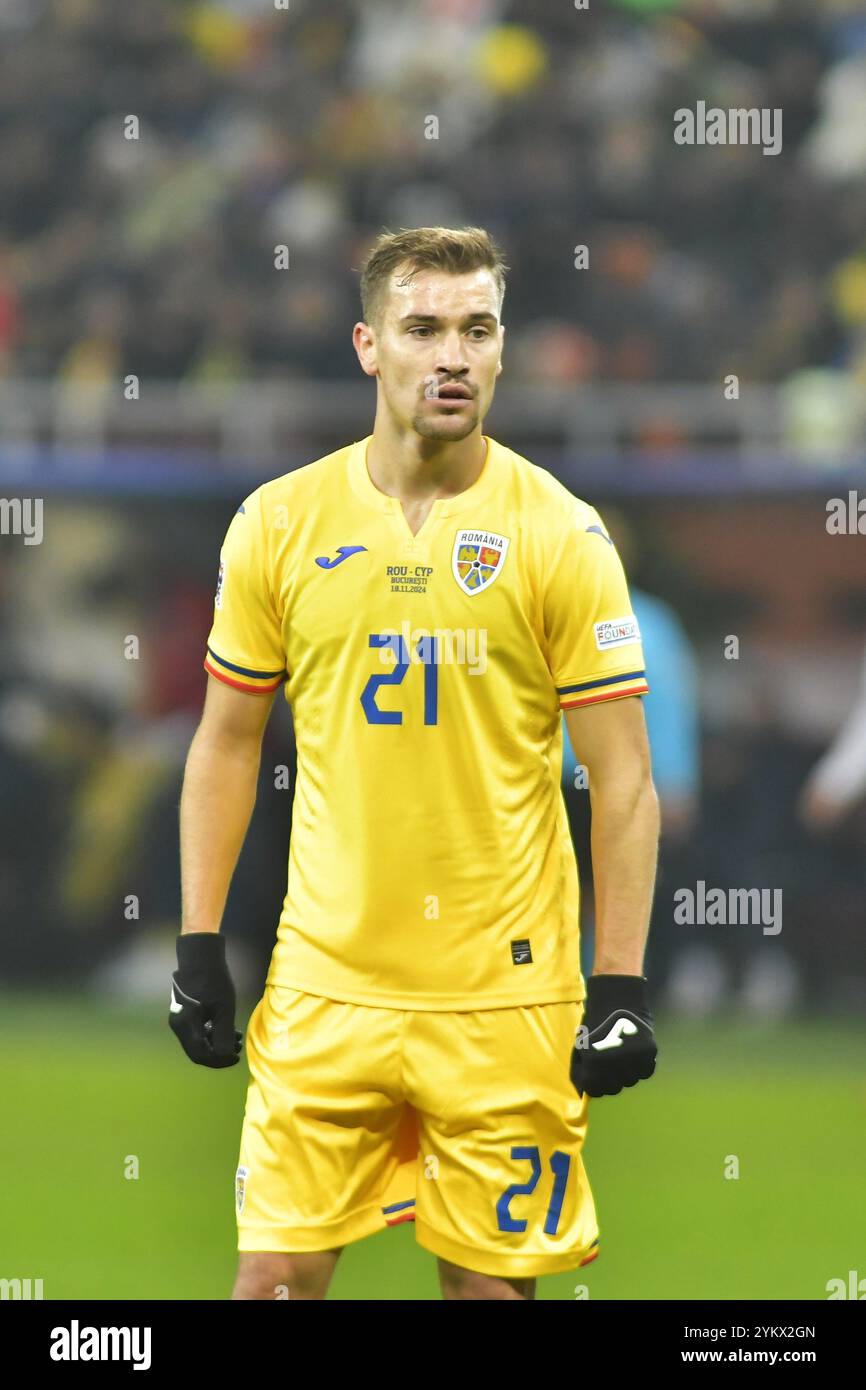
429,428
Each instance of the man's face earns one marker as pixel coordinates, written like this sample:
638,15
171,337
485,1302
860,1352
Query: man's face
438,331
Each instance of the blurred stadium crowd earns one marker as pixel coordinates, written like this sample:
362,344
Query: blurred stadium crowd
305,127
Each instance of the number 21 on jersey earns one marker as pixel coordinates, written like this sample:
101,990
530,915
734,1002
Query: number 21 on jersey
428,653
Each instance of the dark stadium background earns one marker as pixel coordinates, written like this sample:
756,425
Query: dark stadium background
153,258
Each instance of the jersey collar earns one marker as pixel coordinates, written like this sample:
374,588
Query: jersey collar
364,486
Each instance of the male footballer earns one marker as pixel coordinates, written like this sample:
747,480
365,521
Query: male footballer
430,601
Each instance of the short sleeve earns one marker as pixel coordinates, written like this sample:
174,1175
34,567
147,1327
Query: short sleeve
593,638
245,647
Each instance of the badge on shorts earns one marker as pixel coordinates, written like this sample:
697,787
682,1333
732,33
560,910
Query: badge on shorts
241,1188
521,952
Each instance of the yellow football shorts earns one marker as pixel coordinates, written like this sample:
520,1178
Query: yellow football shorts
467,1123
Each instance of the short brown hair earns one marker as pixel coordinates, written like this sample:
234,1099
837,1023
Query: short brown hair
426,248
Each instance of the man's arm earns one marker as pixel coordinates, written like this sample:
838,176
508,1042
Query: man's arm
839,779
616,1046
610,740
219,793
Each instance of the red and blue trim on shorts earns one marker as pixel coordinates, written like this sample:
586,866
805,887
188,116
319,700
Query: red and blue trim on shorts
399,1212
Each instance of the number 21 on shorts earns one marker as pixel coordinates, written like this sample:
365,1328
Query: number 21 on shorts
559,1166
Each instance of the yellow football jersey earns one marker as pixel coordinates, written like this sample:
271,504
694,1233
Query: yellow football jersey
430,864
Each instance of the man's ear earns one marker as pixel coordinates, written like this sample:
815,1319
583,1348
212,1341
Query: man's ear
365,347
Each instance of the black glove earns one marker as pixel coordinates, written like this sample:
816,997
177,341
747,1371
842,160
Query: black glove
202,1007
616,1046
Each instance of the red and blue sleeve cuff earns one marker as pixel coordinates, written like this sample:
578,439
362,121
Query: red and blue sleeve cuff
604,688
242,677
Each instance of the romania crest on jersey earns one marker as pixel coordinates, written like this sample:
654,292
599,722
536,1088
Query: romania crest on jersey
477,559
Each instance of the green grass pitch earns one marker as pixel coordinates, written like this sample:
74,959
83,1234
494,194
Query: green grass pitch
86,1085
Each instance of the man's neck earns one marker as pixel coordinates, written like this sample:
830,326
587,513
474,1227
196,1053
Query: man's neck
416,476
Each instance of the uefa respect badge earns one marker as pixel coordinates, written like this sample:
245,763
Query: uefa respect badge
241,1188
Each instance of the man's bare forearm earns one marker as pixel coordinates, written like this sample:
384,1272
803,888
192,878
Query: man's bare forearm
625,832
219,793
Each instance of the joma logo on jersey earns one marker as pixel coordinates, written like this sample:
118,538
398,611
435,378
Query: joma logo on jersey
477,559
